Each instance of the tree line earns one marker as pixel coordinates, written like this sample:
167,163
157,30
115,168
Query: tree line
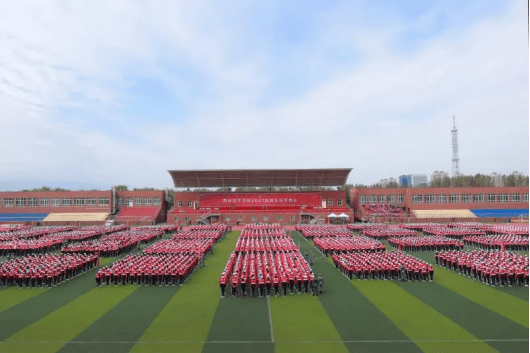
47,188
118,188
480,180
477,180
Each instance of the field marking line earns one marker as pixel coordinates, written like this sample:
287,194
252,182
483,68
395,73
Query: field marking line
283,341
270,319
314,247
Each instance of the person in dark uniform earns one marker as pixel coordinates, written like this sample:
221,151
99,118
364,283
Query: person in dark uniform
320,284
403,273
314,285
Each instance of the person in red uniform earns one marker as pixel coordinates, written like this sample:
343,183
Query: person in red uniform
268,285
431,273
245,281
261,284
222,284
98,278
291,282
298,281
276,284
305,279
285,281
235,283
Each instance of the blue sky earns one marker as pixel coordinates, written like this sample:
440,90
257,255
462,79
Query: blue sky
102,93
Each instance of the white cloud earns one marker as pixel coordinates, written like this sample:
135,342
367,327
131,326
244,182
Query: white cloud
387,113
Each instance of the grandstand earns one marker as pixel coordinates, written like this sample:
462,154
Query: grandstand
508,213
75,217
443,214
239,208
138,207
139,215
487,204
145,207
382,210
22,217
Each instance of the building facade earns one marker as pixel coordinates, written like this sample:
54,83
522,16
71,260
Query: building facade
238,208
55,201
437,175
81,207
451,198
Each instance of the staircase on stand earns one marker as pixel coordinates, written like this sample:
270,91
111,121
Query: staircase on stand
204,218
110,221
318,220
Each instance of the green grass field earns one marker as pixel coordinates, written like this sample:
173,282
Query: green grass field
451,314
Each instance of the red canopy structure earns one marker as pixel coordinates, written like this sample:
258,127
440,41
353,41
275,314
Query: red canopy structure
259,177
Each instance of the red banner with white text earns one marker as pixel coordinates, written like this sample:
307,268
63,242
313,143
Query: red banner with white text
260,199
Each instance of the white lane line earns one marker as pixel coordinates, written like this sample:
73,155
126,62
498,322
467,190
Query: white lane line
243,342
270,319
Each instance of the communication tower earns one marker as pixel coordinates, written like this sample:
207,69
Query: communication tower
456,160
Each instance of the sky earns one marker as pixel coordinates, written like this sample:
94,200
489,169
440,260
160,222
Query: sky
100,93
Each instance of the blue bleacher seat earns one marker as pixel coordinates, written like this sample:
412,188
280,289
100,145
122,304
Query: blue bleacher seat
22,217
500,212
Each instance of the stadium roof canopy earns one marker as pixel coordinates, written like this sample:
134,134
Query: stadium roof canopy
259,177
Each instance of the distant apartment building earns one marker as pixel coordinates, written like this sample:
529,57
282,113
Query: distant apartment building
413,180
437,175
497,179
385,182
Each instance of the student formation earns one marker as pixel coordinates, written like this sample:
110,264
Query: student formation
265,261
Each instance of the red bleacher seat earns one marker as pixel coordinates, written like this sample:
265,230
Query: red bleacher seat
138,214
382,210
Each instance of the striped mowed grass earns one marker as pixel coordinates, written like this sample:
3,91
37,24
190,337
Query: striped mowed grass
451,314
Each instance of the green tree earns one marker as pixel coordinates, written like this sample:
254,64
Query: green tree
457,181
445,182
122,188
436,183
521,180
44,188
171,195
392,185
348,198
508,180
